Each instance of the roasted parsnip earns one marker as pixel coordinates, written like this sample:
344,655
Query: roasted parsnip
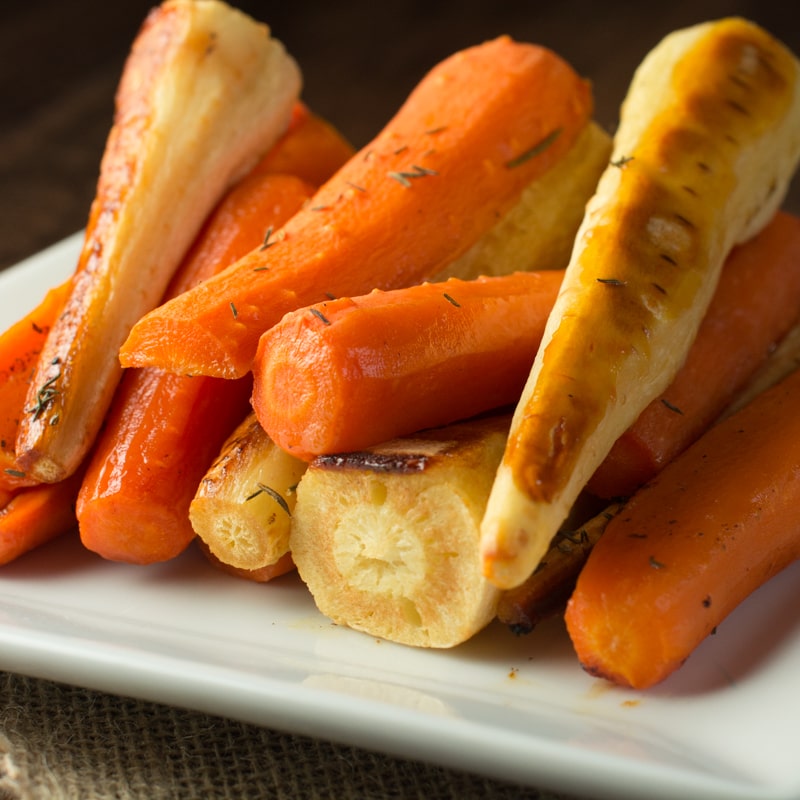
243,507
204,93
387,538
538,231
706,147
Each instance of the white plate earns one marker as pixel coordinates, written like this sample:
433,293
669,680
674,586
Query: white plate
725,726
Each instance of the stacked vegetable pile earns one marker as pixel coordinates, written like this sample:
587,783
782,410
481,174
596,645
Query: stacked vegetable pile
493,363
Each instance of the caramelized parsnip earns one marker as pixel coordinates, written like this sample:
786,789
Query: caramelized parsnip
705,149
204,93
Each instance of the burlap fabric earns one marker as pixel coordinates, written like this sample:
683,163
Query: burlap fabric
64,743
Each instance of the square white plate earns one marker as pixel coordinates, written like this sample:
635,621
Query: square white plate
519,709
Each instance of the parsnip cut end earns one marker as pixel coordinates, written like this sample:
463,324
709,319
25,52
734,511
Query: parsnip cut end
243,507
387,539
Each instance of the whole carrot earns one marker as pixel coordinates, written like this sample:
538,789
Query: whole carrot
716,523
20,348
163,430
756,303
347,374
477,129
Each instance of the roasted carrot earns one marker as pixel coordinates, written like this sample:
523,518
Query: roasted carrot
477,129
20,348
36,515
703,155
242,509
204,93
347,374
163,430
308,134
756,303
712,526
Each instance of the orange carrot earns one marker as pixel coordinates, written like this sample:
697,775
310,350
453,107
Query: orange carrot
716,523
20,346
36,515
307,133
347,374
164,430
755,304
480,127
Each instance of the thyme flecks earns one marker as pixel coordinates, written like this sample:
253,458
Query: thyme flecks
621,161
655,564
405,177
276,496
451,300
320,316
611,281
534,151
15,473
45,396
568,539
234,311
671,407
267,236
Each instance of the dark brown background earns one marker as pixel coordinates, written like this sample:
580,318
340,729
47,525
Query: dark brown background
60,62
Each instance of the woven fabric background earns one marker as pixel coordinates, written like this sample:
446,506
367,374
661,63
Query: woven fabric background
60,742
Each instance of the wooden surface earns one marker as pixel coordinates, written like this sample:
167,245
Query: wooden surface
60,62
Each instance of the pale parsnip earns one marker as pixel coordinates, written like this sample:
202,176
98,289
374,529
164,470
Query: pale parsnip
387,538
243,507
537,233
204,93
708,140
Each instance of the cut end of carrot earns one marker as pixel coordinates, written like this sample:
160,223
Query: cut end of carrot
159,342
607,650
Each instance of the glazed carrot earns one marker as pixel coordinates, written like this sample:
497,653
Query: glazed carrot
204,93
20,347
36,515
163,430
719,521
477,129
703,155
307,134
756,303
347,374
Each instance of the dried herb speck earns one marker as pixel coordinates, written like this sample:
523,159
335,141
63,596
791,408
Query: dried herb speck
534,151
